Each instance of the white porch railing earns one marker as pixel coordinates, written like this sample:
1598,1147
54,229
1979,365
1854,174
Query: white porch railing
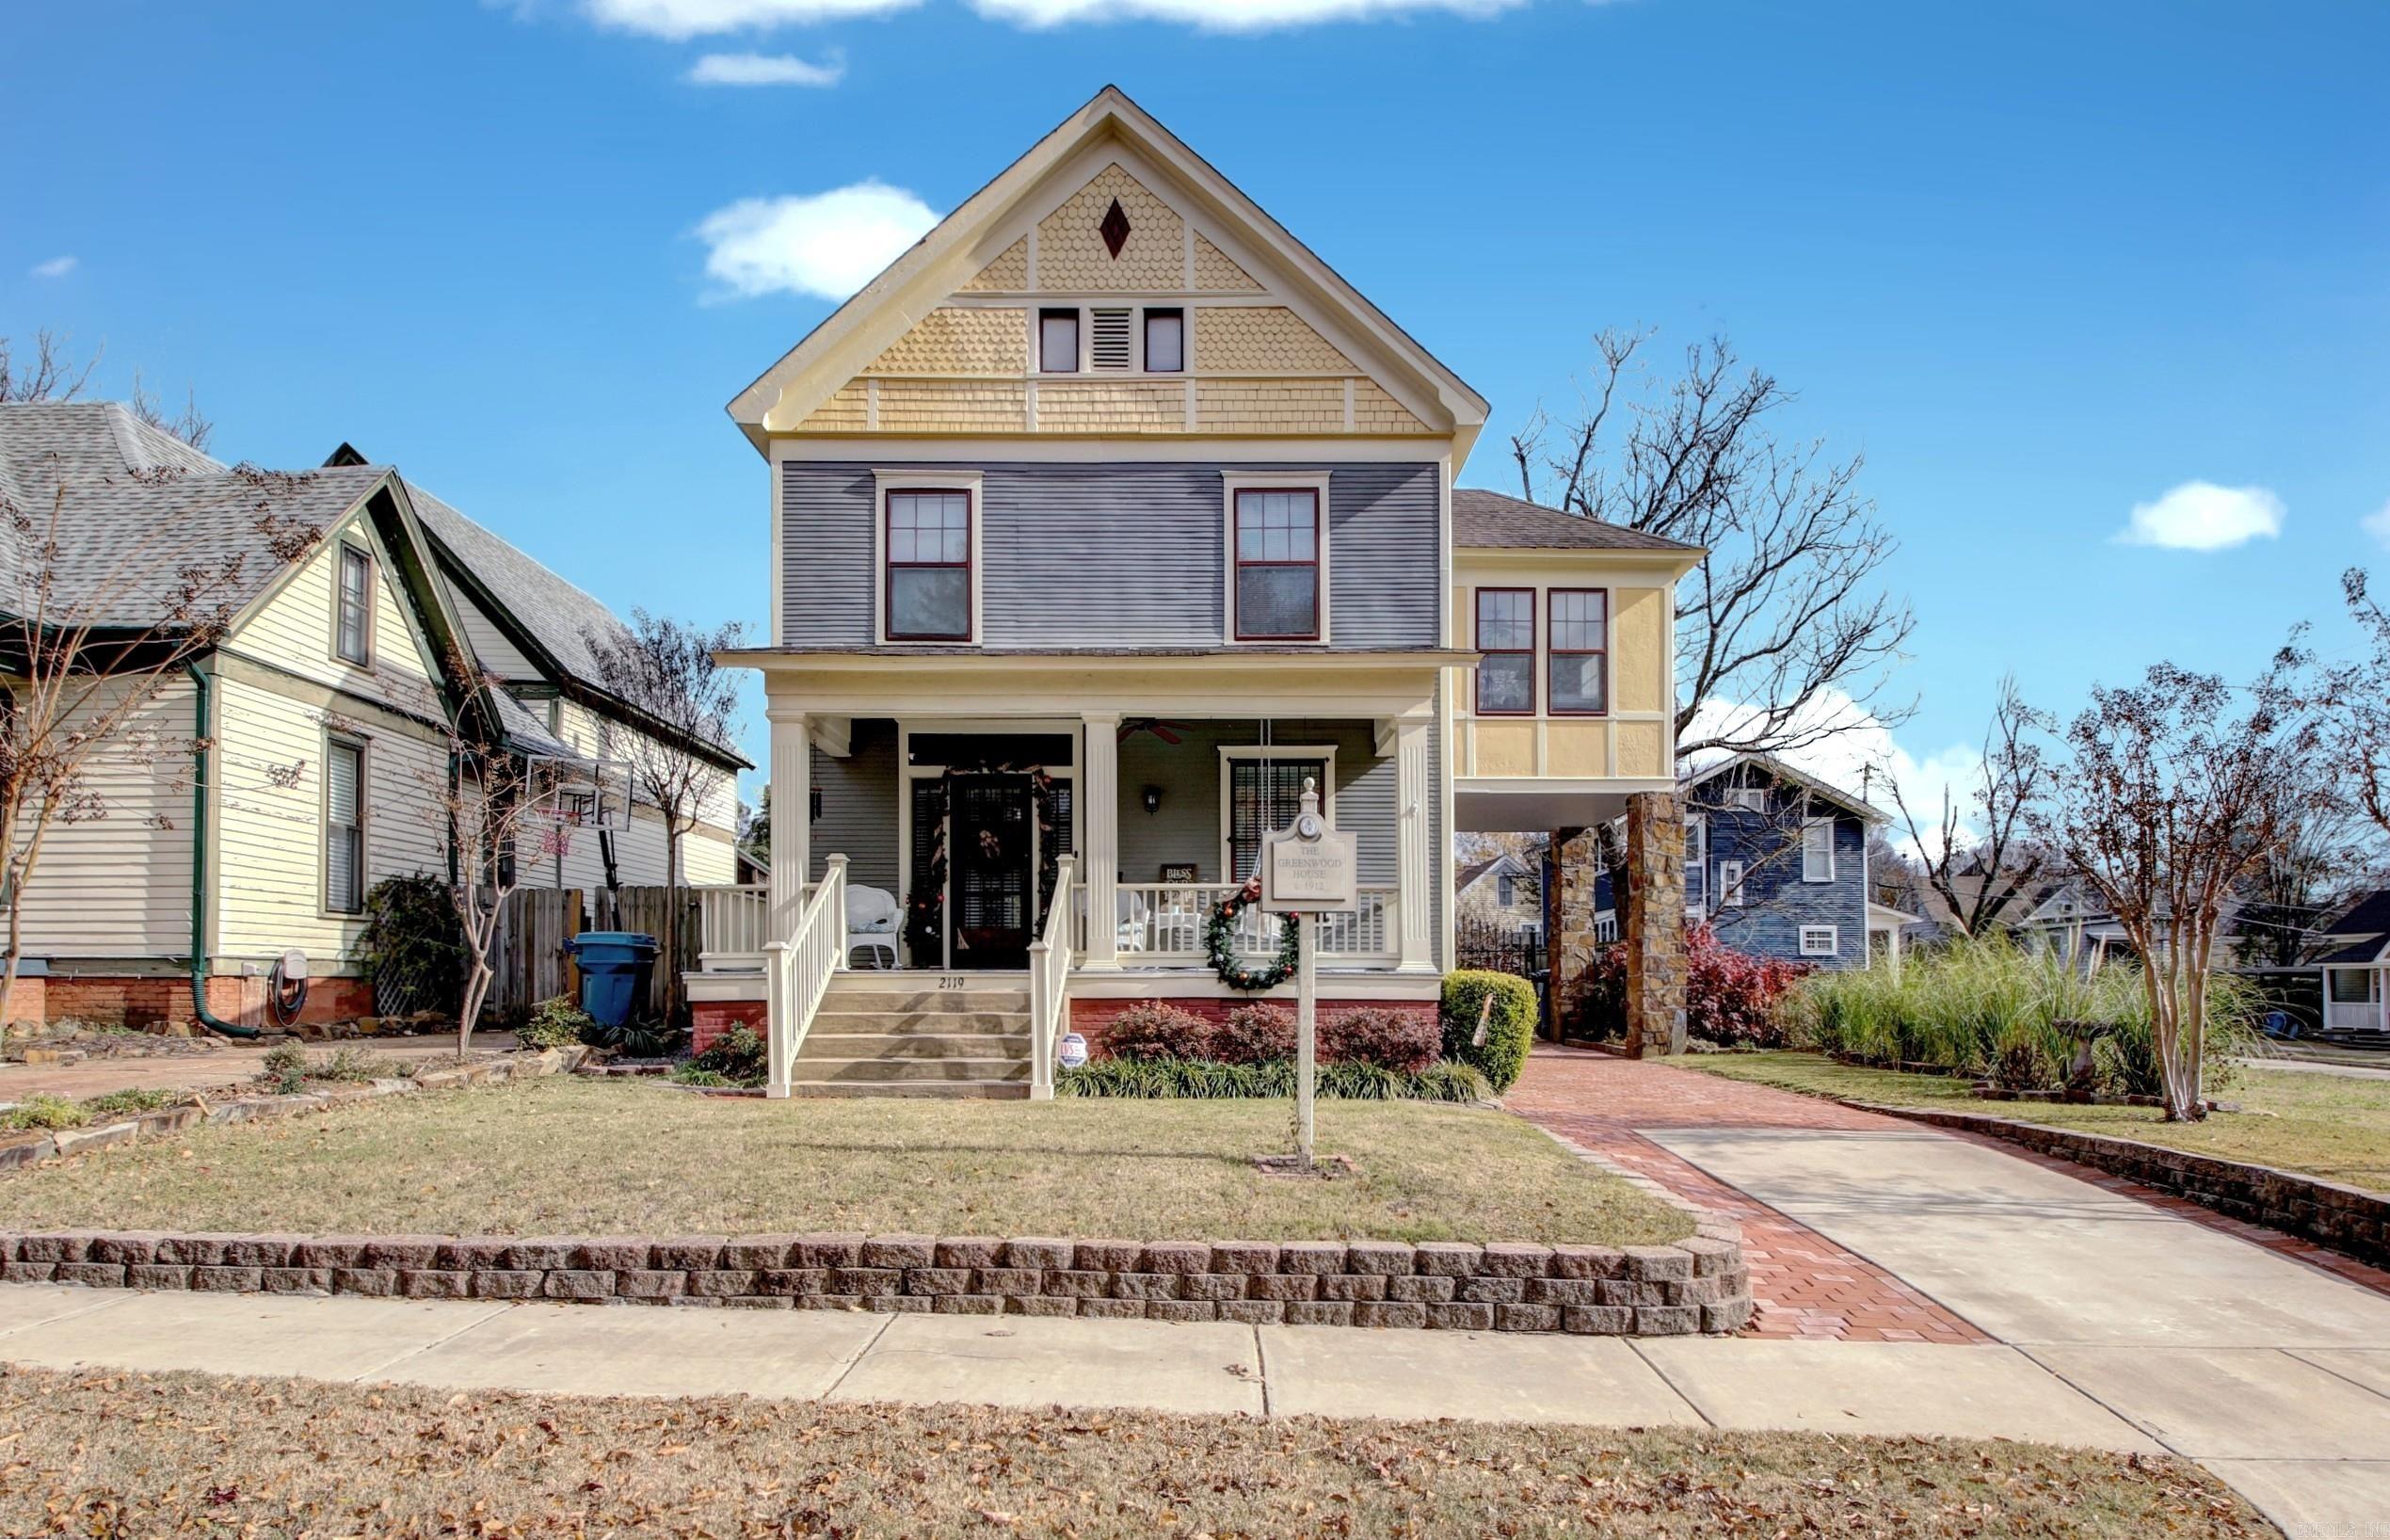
1049,959
1163,924
2354,1015
797,972
733,925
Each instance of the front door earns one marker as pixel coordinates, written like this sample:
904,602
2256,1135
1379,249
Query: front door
991,861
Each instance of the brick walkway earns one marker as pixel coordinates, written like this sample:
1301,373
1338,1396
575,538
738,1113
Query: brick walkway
1805,1285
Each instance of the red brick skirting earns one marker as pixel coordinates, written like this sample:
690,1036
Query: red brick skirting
710,1018
163,1003
2346,1219
1699,1285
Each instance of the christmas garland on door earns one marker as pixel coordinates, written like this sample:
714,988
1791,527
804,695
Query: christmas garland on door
1220,943
925,915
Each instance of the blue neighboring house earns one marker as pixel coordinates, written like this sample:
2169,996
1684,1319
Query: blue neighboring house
1776,862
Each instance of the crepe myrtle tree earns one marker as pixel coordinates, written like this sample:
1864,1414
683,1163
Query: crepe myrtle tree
2167,795
664,669
1783,631
78,680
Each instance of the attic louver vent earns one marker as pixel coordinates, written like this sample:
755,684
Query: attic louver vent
1114,229
1108,339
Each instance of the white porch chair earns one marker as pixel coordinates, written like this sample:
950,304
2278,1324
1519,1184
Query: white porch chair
1129,931
871,922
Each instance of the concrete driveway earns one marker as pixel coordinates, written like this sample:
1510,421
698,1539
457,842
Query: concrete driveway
2271,1372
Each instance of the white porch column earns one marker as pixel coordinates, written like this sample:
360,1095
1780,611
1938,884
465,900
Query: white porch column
1417,861
1100,825
791,819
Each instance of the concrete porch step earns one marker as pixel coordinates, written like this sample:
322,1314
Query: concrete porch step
829,1072
983,1090
924,1001
819,1046
940,1022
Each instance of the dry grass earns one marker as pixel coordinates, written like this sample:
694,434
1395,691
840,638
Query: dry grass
2336,1127
127,1455
575,1157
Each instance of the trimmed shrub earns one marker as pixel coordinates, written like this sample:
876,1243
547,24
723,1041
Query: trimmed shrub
555,1022
1733,997
1159,1079
1152,1030
735,1058
1255,1033
1372,1034
1510,1025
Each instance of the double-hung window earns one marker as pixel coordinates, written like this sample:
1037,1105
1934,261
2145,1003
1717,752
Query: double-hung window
1277,565
344,828
1264,795
1817,850
1730,885
353,608
1506,636
1580,651
929,565
1697,866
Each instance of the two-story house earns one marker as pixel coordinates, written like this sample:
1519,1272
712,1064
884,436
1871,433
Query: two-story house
1103,519
231,829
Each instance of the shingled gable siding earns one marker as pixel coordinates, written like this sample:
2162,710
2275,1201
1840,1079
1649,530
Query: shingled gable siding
1117,555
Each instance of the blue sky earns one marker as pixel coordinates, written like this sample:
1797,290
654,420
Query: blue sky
2042,263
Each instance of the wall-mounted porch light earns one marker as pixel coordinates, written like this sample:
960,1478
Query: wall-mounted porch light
1153,799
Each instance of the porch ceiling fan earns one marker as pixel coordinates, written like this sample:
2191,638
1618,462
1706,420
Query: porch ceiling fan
1168,731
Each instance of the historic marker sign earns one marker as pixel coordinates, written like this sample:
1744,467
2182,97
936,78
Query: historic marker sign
1310,867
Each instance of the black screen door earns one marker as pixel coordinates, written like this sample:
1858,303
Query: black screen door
991,861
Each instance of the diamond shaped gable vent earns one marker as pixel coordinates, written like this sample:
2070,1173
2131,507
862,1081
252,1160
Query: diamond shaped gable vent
1114,229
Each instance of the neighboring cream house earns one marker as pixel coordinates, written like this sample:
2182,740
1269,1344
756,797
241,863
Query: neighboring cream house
284,772
1101,519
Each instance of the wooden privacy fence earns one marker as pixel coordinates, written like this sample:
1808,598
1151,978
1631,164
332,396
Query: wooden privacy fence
529,958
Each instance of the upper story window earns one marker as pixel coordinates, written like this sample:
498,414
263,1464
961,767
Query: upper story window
929,565
1276,543
353,608
1817,850
1058,340
1696,865
1506,636
1746,799
1165,341
1580,651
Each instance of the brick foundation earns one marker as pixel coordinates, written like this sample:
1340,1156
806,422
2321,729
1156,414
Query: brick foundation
163,1002
710,1018
1090,1017
1700,1284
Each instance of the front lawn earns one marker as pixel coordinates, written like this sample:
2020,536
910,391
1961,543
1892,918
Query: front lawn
576,1157
2336,1127
190,1454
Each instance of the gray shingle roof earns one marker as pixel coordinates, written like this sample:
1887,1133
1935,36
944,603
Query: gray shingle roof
1490,522
559,616
136,507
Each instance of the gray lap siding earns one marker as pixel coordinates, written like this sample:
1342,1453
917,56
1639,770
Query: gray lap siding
1777,904
1113,554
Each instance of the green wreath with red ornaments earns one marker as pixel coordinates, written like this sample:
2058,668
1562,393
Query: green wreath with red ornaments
1220,943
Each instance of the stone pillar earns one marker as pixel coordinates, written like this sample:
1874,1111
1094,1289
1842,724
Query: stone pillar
1569,909
1100,848
792,820
1650,894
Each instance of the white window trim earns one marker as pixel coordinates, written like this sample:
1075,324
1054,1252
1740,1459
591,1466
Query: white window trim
1232,483
1325,753
885,482
1807,825
1087,370
1698,863
1833,943
1747,798
363,749
1730,885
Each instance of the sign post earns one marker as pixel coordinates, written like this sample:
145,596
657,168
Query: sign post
1307,870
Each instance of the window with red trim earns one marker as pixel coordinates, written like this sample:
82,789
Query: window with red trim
1278,547
1580,651
929,565
1506,635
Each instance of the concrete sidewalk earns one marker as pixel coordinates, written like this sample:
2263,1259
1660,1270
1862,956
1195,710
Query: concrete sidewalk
1022,1361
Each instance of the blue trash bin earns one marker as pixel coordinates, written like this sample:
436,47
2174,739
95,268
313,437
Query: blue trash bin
615,966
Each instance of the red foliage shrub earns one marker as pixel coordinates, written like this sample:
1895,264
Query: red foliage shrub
1393,1040
1255,1033
1152,1030
1731,997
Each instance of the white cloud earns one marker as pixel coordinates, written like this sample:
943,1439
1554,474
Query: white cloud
55,268
2377,524
828,244
682,19
1862,756
2202,516
767,70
